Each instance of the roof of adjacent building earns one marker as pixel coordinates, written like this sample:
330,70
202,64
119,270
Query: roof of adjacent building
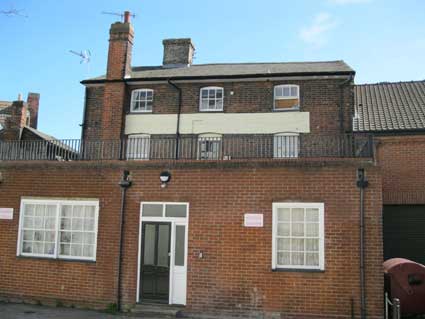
235,70
387,106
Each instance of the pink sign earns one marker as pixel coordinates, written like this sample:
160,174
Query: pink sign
6,213
253,220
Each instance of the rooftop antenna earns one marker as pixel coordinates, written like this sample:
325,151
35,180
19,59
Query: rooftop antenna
85,57
125,17
12,12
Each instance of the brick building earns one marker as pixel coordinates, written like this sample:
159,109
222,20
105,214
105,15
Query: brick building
395,114
222,188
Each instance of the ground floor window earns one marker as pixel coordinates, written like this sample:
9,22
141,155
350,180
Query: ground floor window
209,147
298,236
64,229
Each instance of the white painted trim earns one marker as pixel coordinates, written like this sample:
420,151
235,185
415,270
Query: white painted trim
321,207
57,203
173,221
286,97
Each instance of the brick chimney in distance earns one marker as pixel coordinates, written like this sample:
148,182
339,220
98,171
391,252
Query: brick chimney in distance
121,37
16,121
33,101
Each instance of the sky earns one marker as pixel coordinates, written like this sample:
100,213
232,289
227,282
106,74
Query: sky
383,40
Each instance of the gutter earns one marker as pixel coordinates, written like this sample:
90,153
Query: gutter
362,184
178,117
218,77
124,183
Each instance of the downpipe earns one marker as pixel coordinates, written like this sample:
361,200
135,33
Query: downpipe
125,183
362,184
179,110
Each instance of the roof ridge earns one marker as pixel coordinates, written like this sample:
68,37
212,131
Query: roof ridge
389,82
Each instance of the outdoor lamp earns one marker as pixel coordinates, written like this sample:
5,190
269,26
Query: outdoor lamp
165,177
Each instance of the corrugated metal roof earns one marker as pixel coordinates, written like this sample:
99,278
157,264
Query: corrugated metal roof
237,69
389,106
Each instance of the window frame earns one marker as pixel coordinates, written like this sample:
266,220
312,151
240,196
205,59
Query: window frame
286,97
146,138
321,251
58,203
208,99
133,92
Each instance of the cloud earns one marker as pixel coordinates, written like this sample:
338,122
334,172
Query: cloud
317,33
343,2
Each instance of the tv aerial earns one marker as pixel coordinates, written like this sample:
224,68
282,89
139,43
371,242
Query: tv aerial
84,55
13,13
124,16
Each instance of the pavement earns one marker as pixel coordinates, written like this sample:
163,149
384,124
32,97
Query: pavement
24,311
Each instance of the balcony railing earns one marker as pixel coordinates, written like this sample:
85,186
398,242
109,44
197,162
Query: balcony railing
230,147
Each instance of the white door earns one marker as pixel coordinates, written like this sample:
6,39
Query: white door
179,269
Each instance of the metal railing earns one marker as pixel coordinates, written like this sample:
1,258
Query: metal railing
227,147
395,307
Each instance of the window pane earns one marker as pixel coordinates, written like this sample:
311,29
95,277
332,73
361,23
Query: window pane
297,229
297,245
312,245
312,215
175,210
163,244
284,214
283,229
294,91
312,230
152,210
28,235
78,211
180,245
204,94
283,258
297,259
286,91
283,244
298,214
149,248
312,259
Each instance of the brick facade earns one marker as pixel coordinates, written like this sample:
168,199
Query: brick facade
401,159
235,274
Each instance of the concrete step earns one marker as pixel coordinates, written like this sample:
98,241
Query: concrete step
158,310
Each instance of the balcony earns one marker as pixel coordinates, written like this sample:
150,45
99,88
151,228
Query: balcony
227,147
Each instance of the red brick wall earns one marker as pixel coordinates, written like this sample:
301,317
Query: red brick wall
319,97
403,175
235,274
93,112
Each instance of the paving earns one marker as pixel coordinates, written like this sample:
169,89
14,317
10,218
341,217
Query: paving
24,311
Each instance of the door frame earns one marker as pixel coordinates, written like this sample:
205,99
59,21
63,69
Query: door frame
173,221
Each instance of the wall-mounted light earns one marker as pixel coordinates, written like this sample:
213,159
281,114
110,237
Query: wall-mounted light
165,178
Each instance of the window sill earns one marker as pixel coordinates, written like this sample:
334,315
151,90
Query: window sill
140,112
295,109
58,259
211,111
297,270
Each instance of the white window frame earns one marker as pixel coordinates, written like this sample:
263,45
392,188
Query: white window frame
58,203
292,152
289,97
321,208
133,101
218,138
208,88
146,147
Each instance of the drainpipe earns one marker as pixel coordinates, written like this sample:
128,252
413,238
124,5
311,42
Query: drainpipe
341,102
124,183
178,117
362,184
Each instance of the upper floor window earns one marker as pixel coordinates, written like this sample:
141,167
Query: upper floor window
142,100
209,146
286,145
138,147
211,99
286,97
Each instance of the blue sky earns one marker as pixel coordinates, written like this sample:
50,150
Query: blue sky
383,40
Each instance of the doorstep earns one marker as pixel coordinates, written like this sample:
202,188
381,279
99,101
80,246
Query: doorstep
158,309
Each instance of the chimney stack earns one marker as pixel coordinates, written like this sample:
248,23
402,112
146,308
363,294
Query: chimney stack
121,37
178,52
33,101
118,68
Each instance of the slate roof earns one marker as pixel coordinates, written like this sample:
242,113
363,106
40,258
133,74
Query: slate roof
386,106
236,70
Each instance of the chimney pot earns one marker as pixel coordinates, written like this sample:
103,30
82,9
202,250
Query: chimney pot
127,16
178,52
